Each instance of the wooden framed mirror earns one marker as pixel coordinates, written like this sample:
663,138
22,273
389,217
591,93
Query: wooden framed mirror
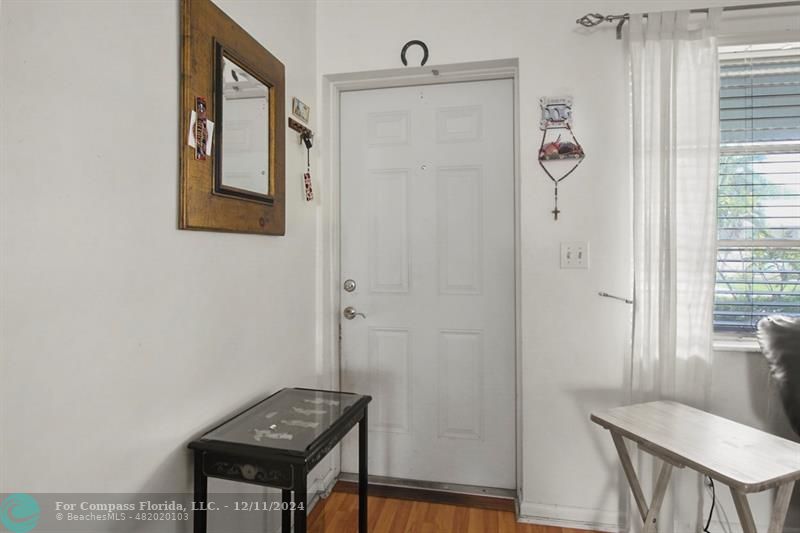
240,185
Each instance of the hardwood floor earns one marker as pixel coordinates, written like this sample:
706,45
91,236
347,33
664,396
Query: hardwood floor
339,514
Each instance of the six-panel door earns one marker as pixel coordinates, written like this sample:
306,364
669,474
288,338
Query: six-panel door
427,221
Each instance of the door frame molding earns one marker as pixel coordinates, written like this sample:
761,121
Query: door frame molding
328,223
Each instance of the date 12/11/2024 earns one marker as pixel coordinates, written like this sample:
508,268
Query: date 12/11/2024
249,506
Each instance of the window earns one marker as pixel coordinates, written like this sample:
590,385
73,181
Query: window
758,210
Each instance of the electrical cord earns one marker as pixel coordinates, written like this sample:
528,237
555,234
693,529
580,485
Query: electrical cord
713,503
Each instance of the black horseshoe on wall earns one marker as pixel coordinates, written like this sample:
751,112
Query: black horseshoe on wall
424,52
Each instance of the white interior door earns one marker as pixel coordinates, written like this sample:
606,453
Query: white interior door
427,221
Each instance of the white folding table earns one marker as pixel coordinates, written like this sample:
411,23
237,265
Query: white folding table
743,458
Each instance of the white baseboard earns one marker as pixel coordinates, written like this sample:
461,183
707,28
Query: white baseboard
319,489
570,517
736,527
324,486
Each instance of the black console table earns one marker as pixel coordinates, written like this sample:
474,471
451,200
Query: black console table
275,443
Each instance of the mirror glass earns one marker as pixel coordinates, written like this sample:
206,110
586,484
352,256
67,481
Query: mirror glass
245,131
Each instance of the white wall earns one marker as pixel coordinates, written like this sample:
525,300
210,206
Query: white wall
121,337
574,344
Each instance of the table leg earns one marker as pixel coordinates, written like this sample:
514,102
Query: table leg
200,494
630,473
651,520
780,507
286,511
743,510
300,501
363,478
650,512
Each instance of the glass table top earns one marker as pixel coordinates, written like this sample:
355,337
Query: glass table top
290,419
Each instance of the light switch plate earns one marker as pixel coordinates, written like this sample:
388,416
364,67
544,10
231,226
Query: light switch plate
575,254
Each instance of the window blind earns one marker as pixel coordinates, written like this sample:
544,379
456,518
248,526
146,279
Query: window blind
758,210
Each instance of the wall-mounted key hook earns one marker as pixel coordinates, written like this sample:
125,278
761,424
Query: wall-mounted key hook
302,130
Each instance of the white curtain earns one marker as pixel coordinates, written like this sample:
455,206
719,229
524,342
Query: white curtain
675,110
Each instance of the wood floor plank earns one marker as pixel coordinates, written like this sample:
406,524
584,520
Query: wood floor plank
417,518
339,514
375,510
445,517
401,515
384,519
475,522
461,519
507,523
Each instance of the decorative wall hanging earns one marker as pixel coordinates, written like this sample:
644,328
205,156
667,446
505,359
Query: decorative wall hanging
412,43
559,148
300,109
239,86
201,130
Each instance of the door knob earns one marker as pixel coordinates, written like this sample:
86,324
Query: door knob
350,313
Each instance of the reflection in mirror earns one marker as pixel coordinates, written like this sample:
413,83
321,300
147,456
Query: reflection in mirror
244,165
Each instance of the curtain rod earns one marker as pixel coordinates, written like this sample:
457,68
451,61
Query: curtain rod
591,20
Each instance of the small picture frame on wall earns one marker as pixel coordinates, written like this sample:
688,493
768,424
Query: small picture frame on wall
300,110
